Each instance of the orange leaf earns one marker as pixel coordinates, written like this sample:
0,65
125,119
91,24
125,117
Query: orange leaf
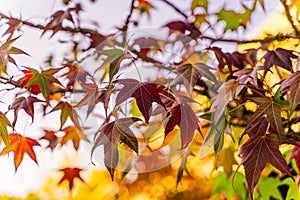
69,175
73,134
20,145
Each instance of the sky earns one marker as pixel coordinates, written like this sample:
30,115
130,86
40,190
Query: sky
110,13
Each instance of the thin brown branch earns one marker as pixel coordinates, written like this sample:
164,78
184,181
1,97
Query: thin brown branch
289,17
175,8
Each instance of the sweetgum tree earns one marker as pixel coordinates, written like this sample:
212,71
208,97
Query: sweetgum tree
139,98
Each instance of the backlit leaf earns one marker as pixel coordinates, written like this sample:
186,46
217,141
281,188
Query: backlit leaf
4,123
74,134
144,93
70,174
280,57
25,103
20,145
110,135
256,152
183,116
66,111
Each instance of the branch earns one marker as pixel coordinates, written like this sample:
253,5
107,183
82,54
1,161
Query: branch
289,17
42,27
175,8
292,135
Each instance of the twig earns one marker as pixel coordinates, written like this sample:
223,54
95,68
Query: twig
289,17
175,8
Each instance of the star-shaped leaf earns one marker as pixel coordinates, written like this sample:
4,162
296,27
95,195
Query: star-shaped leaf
70,174
272,110
74,134
20,145
58,18
51,137
110,135
144,93
6,49
183,116
280,57
40,81
66,111
292,84
25,103
256,152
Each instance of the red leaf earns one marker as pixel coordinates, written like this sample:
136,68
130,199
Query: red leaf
295,154
69,175
20,145
110,135
184,28
144,93
34,88
280,57
146,44
183,116
25,103
51,137
256,152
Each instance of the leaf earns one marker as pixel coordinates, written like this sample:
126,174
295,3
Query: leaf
33,88
258,128
147,44
193,72
75,73
272,110
199,3
66,111
144,7
226,160
113,60
5,50
25,103
4,123
280,57
13,25
58,18
184,28
91,96
234,20
183,116
51,137
256,152
144,93
74,134
40,80
268,188
224,96
295,154
245,76
70,174
182,168
232,187
292,83
20,145
110,135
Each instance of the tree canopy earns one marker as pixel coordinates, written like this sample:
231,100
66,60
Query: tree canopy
141,99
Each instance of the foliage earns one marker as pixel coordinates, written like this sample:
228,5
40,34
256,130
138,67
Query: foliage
176,90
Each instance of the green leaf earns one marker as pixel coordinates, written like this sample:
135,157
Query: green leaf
231,19
268,188
199,3
43,79
231,188
4,123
